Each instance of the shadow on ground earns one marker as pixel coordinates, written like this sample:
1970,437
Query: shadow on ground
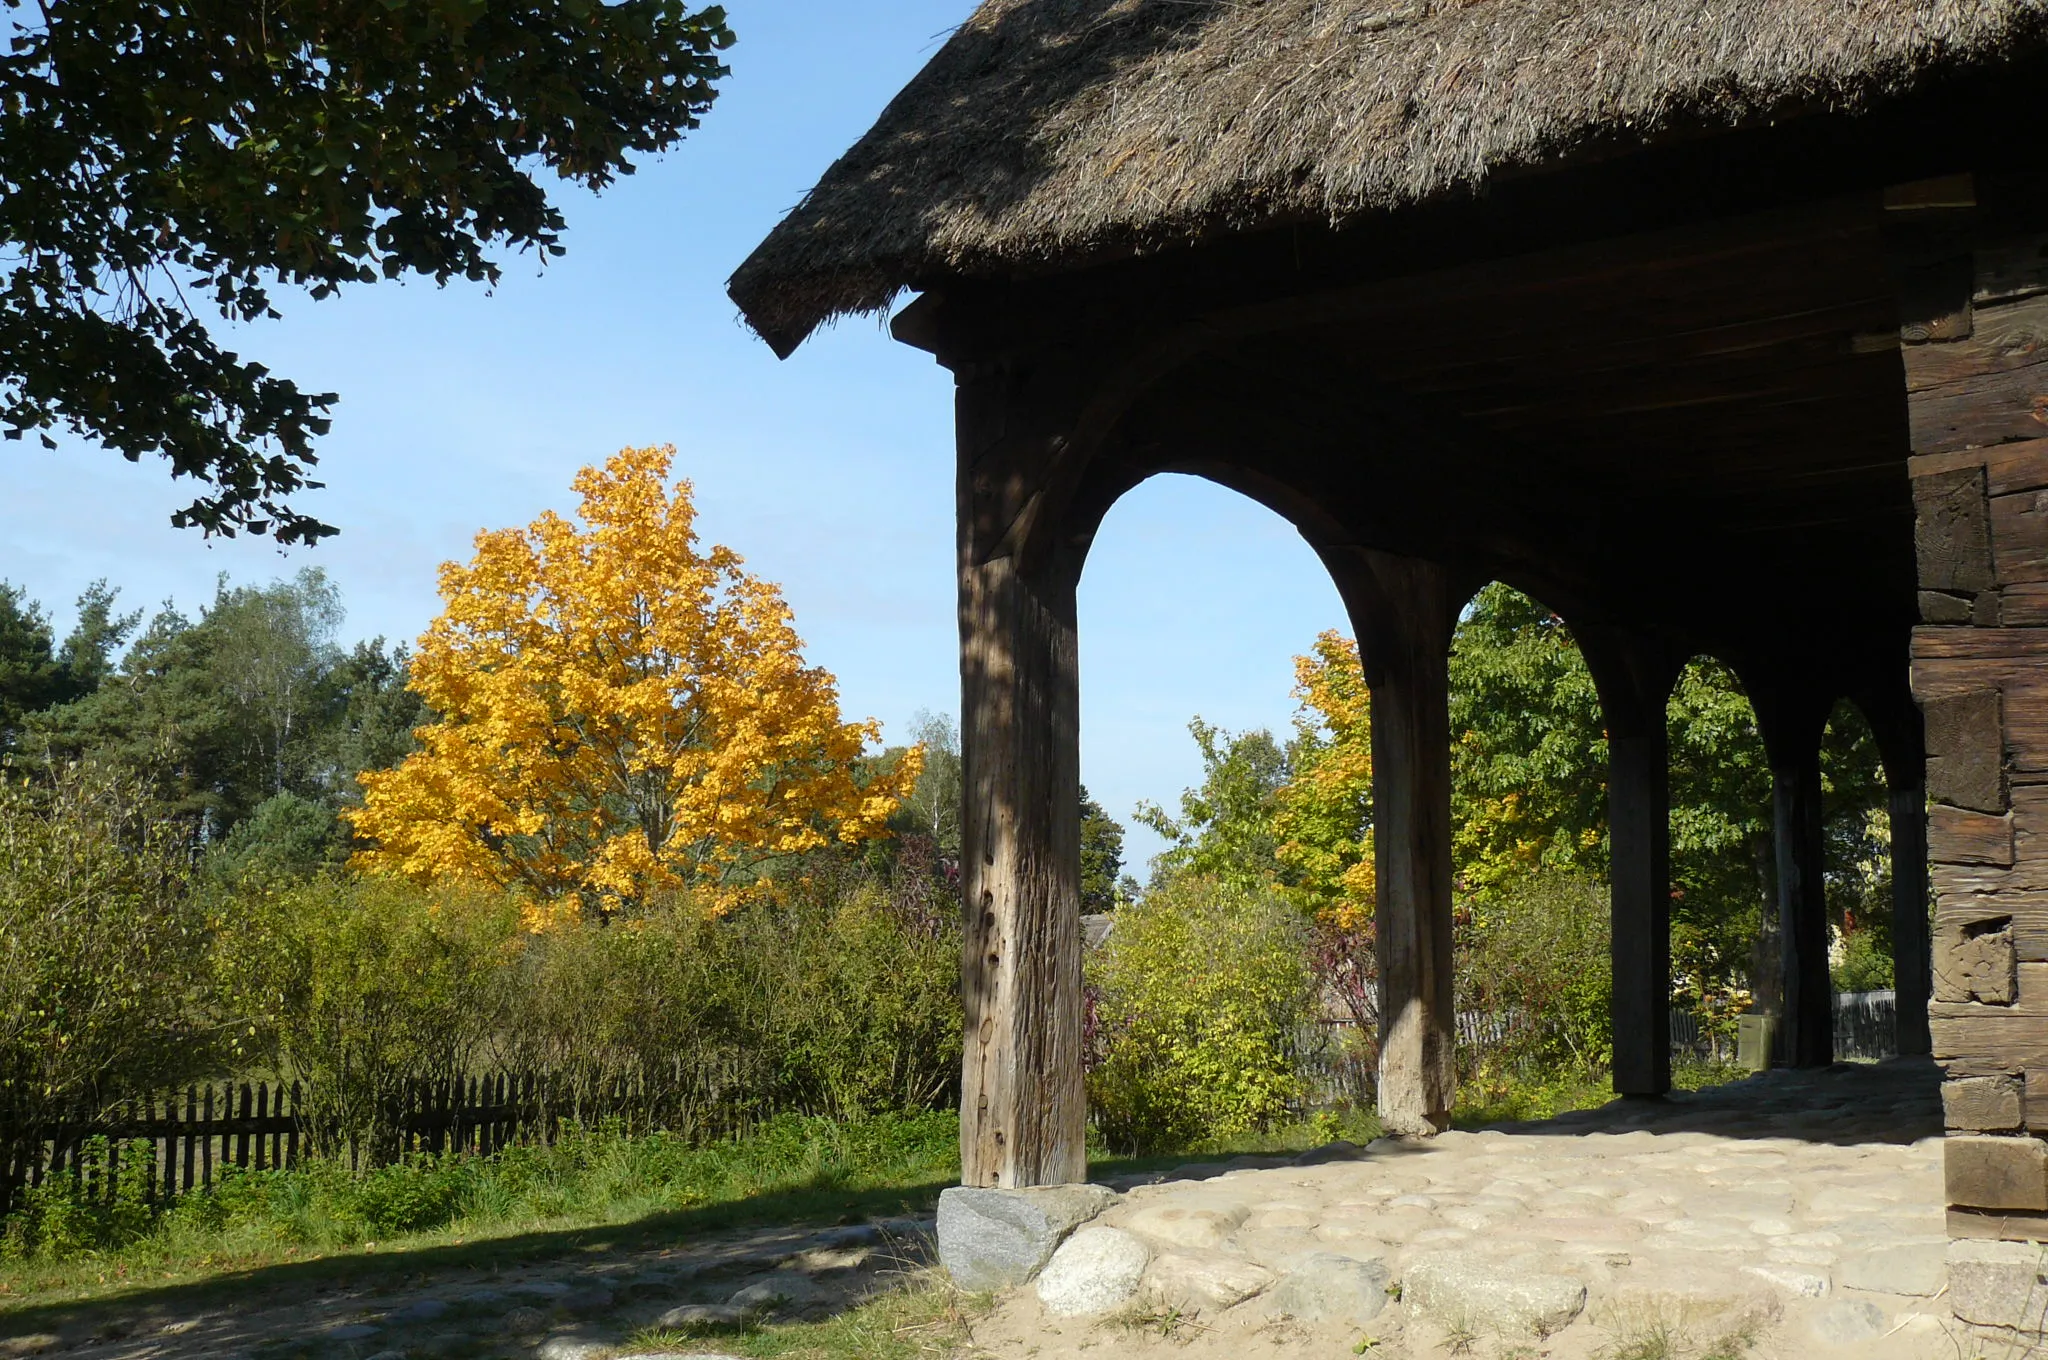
758,1222
1894,1101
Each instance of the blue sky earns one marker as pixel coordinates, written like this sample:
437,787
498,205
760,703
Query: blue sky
832,472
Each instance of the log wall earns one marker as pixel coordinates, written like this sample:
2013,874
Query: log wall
1972,338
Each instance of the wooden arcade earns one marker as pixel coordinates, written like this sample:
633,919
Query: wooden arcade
1718,329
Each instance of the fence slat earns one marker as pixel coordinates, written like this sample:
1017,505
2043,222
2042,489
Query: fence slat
263,1126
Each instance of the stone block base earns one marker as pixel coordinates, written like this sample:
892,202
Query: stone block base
996,1239
2000,1284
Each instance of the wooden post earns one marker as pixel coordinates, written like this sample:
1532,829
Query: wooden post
1404,609
1808,1023
1634,673
1023,1105
1912,944
1794,718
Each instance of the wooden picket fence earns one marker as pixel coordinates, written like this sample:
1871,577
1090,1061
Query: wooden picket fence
195,1134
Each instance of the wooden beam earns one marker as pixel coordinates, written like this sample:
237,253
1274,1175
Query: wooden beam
1023,1105
1404,609
1634,672
1793,718
1023,1108
1809,1019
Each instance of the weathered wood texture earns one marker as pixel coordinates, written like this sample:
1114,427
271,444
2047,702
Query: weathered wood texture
1974,330
1023,1107
1409,608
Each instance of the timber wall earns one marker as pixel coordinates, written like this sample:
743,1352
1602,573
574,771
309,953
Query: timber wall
1974,342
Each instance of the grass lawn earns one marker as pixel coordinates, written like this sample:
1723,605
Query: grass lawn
1503,1100
590,1192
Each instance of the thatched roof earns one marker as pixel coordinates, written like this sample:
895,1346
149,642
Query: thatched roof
1046,130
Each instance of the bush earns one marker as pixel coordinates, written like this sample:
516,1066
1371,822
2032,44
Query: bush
358,986
1196,998
1862,962
1533,964
836,996
102,949
69,1215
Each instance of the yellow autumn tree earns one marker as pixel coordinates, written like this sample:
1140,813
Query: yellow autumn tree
620,712
1323,817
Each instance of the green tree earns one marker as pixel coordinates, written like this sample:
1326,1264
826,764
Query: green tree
1225,828
1102,856
91,648
220,714
371,714
166,156
1529,752
30,676
283,837
932,809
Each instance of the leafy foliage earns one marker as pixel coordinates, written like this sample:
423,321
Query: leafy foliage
836,996
1323,814
1529,758
620,713
932,807
103,951
1102,856
1533,960
1225,828
158,150
1197,996
253,700
355,987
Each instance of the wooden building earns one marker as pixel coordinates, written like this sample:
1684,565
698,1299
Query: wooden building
1716,325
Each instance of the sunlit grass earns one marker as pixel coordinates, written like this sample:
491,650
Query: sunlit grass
589,1189
1502,1098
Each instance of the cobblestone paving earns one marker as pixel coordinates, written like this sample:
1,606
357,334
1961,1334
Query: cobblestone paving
1789,1214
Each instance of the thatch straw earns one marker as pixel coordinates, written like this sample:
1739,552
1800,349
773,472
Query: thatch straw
1045,130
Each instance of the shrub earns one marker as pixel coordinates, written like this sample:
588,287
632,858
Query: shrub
1534,967
102,949
358,986
1196,998
836,996
70,1214
1862,962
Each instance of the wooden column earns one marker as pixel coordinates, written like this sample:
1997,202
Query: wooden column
1912,945
1793,718
1808,1020
1634,672
1972,258
1901,739
1404,609
1023,1106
